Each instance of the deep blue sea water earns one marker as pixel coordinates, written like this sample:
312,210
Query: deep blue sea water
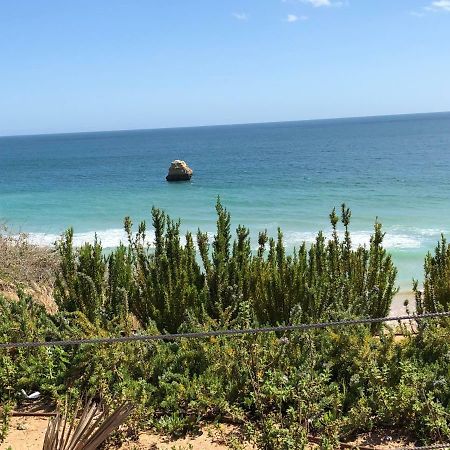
288,174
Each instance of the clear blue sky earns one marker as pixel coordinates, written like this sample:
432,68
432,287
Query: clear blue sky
108,64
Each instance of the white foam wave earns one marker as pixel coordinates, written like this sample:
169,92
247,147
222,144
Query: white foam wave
109,238
42,239
401,241
391,240
113,237
432,232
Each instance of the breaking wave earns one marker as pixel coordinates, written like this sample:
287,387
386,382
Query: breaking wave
394,239
391,240
109,238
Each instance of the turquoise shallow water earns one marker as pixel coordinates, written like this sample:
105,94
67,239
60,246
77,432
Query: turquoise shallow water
287,174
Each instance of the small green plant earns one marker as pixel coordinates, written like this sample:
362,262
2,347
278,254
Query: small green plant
436,286
4,420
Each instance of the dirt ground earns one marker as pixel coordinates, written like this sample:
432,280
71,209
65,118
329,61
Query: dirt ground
27,433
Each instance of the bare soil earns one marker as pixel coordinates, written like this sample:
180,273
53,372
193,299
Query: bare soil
27,433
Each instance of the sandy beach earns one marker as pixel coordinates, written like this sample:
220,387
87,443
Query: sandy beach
398,303
28,434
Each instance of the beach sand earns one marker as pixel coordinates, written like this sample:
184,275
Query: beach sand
398,303
27,433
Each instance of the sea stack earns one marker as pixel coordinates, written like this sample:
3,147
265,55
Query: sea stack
179,171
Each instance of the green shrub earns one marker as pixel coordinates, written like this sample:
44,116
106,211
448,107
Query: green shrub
436,286
330,383
169,282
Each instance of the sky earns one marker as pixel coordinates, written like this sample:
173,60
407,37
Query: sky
86,65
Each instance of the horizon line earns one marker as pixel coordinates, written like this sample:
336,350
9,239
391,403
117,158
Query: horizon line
122,130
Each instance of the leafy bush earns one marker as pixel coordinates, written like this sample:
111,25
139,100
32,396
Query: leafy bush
436,286
167,283
330,383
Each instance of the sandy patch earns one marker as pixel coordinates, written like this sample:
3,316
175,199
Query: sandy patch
27,433
398,303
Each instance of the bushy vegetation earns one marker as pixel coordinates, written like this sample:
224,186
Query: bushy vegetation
171,281
435,295
330,383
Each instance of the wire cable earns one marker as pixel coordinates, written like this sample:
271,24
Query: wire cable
231,332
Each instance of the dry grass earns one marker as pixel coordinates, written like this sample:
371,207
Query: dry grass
26,266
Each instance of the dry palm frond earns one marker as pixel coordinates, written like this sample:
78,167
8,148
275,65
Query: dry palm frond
86,433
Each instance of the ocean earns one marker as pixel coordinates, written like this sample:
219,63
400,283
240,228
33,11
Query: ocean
287,174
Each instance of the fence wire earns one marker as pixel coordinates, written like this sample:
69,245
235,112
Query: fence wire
231,332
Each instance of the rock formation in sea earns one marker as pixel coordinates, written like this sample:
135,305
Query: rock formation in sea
179,171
